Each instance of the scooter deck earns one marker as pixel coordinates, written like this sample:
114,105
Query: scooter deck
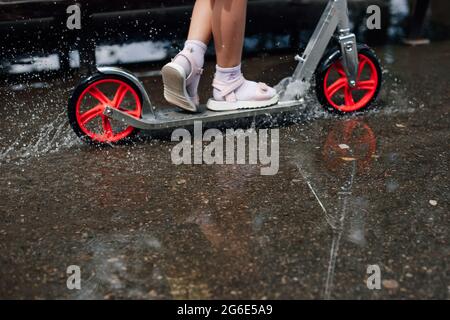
173,117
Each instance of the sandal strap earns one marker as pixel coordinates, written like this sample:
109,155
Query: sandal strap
263,87
227,89
195,69
195,99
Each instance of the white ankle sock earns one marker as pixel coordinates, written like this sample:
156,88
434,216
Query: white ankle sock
197,50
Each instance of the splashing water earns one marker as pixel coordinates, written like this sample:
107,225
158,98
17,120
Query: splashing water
52,137
291,89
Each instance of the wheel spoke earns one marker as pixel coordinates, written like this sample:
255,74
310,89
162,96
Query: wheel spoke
119,96
340,69
100,96
348,97
361,66
107,127
366,85
91,114
336,86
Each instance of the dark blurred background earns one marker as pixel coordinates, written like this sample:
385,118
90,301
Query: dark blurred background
35,41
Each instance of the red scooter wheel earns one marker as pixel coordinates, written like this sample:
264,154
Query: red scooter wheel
88,102
333,90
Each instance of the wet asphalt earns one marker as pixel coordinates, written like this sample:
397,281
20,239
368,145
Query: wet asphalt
140,227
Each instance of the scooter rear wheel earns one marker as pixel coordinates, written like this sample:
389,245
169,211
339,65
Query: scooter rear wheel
88,102
333,90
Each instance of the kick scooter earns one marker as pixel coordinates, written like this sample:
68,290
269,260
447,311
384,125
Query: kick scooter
110,105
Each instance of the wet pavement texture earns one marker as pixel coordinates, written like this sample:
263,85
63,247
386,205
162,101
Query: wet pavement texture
351,191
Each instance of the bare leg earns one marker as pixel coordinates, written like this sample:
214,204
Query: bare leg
201,21
228,27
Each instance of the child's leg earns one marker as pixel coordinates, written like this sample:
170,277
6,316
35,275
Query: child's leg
201,24
231,90
228,27
200,32
181,77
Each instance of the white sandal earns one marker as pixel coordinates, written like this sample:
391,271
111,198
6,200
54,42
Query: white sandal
230,101
175,83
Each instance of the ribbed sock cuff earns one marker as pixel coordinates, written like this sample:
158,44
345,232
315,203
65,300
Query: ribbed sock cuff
197,43
228,70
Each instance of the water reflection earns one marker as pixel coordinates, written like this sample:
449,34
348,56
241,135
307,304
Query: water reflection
351,141
347,154
349,149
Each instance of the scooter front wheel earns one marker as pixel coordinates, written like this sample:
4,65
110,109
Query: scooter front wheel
88,102
333,90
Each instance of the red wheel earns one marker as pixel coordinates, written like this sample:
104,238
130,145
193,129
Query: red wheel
336,94
89,101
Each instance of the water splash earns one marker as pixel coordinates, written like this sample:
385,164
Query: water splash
291,89
51,137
